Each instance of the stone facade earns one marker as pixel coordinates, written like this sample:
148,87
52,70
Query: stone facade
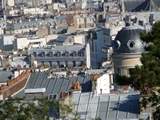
124,62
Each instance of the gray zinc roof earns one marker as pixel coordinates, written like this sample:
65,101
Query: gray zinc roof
136,5
61,48
141,5
128,40
33,23
4,76
54,86
106,107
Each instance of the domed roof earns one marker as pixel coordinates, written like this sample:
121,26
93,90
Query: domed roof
128,40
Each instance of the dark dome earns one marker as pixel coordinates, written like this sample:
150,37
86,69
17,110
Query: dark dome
128,40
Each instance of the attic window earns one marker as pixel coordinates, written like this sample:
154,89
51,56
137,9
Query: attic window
131,45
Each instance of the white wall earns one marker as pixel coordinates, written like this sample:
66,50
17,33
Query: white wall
34,11
48,1
88,56
10,3
58,6
20,31
1,31
8,39
21,43
42,41
51,37
84,4
1,97
14,12
103,84
80,39
24,42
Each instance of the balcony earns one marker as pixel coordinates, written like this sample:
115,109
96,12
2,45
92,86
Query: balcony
60,58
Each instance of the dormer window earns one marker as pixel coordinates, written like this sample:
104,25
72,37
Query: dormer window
49,54
58,54
66,53
74,53
131,44
80,53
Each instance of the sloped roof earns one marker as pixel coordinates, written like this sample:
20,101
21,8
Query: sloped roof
107,106
54,86
126,36
141,5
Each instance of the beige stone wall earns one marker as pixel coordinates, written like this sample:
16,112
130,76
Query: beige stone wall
42,31
122,63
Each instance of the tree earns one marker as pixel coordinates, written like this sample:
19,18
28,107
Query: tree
98,118
19,109
122,80
146,78
37,109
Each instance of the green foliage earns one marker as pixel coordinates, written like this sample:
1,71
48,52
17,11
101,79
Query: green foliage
122,80
146,78
17,109
98,118
156,114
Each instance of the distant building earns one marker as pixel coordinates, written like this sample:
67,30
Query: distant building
99,39
92,4
76,51
11,3
59,56
42,31
34,11
58,6
139,5
84,21
115,23
22,42
33,3
7,42
2,7
25,26
2,26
